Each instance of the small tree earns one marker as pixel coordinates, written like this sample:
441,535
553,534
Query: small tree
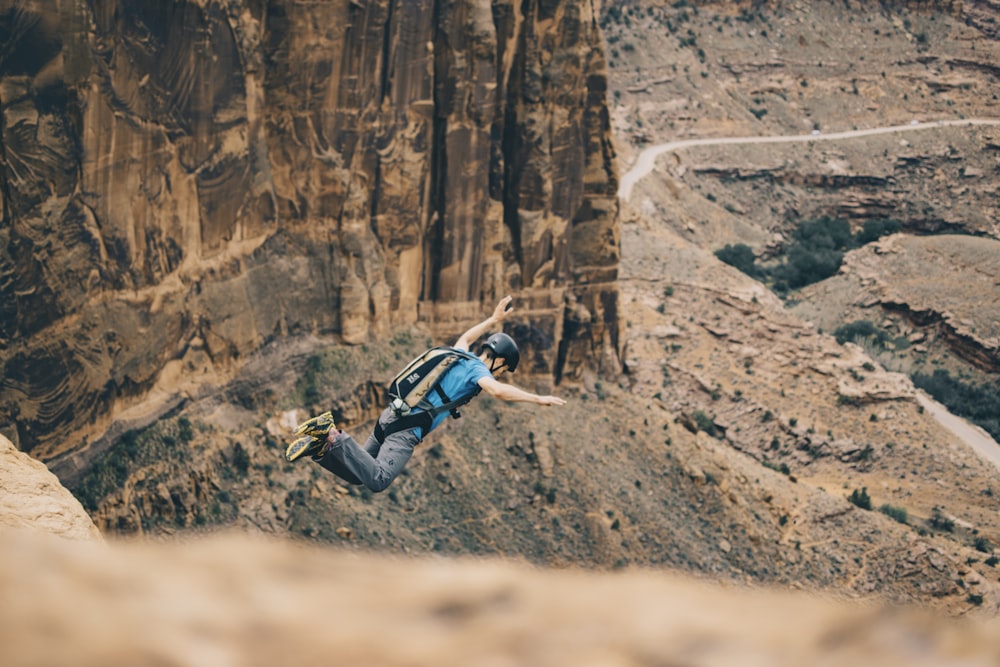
861,498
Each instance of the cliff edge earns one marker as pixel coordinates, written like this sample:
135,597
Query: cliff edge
31,497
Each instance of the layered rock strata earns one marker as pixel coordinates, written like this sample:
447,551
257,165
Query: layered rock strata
182,183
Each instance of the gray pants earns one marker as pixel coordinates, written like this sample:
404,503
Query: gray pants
373,465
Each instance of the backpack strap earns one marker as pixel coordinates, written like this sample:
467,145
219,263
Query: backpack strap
422,420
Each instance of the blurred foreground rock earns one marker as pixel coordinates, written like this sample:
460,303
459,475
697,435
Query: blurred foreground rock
239,600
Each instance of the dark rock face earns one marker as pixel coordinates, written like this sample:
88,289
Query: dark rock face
183,182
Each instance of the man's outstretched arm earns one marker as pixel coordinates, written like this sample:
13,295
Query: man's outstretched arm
508,392
500,313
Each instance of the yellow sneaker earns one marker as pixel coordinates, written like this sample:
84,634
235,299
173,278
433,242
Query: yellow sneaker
303,446
317,427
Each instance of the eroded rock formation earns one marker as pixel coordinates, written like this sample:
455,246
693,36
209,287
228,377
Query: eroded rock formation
31,498
183,182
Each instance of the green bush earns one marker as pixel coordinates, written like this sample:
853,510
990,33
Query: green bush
807,264
739,256
824,233
814,254
705,423
875,229
893,512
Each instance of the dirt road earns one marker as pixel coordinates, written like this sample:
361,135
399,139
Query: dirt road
646,161
975,437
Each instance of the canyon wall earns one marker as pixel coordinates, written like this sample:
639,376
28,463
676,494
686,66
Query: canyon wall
183,183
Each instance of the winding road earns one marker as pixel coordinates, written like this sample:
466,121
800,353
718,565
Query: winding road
646,161
975,437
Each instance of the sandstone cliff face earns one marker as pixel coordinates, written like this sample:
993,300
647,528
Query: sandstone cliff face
183,182
31,498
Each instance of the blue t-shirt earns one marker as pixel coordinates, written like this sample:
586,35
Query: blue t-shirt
461,381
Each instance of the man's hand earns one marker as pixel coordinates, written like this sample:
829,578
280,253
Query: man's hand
503,309
551,400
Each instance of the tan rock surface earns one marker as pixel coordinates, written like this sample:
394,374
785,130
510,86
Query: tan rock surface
31,498
236,600
938,287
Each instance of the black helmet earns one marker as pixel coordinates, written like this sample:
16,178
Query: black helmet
504,347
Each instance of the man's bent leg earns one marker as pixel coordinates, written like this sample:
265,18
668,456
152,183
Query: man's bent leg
346,459
334,464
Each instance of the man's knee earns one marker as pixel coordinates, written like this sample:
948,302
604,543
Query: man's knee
378,484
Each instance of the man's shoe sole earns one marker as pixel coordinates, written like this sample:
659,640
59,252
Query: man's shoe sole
317,427
303,446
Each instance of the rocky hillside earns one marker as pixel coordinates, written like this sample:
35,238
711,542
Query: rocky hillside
182,183
675,468
757,370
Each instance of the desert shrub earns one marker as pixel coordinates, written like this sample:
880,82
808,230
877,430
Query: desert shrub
705,422
778,467
982,544
241,460
824,232
861,498
939,521
893,512
804,266
740,256
861,330
184,430
815,253
875,229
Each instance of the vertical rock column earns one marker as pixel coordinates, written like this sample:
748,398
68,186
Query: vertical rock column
559,184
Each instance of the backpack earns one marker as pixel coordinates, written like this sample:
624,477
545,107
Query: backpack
409,390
